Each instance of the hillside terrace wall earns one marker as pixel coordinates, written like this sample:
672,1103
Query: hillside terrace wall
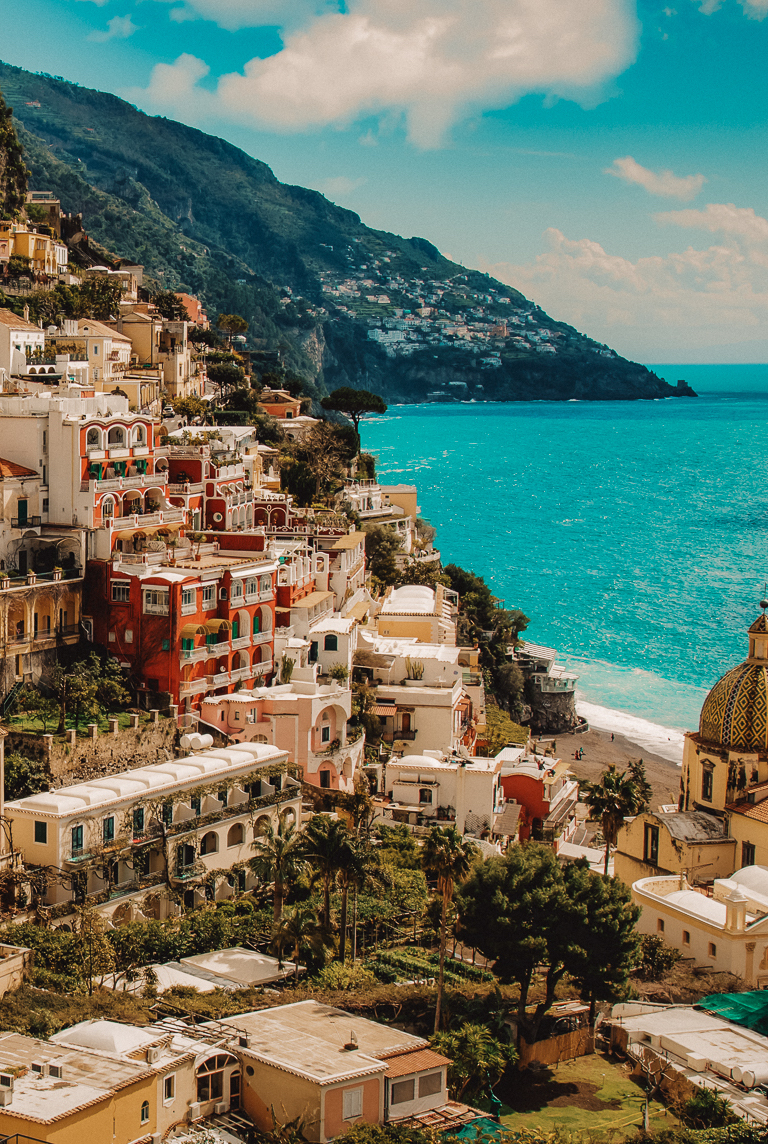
107,754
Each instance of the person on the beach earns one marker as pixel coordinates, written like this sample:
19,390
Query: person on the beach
611,736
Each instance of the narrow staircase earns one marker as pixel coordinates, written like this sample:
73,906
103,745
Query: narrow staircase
7,702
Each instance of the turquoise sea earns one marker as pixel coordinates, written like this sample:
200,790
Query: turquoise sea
633,534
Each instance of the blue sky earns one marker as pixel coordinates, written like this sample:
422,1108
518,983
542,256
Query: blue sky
606,157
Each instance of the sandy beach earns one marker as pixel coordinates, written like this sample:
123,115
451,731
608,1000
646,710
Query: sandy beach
600,753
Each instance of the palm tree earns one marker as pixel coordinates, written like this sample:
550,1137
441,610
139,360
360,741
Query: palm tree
612,799
351,875
326,847
298,927
279,859
446,858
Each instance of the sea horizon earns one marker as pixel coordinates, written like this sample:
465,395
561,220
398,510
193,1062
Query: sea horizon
577,521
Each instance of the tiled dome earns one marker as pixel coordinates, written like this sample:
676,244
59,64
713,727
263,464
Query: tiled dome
735,713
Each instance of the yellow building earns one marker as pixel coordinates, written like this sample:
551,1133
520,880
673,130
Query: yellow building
724,777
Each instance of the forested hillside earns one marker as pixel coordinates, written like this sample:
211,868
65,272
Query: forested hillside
345,304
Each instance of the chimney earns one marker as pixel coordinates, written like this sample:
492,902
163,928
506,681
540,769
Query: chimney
736,911
26,313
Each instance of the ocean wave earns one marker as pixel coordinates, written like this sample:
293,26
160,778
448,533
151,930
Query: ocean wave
651,737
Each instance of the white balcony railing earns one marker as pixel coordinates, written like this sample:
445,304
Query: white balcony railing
194,686
241,673
193,655
262,637
185,489
219,680
218,648
241,642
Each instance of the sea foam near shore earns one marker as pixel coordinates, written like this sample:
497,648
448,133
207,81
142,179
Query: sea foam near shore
650,737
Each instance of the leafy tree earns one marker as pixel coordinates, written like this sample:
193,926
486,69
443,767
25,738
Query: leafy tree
398,846
502,731
18,266
90,686
23,776
381,546
605,943
92,948
426,572
515,910
201,337
326,847
354,404
279,859
232,324
655,957
611,800
478,1059
338,976
225,374
352,875
170,306
37,705
325,453
362,1133
448,859
191,407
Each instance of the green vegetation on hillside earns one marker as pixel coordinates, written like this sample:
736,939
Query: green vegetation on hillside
205,218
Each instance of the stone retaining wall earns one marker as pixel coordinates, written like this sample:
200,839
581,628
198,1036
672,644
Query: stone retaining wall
105,753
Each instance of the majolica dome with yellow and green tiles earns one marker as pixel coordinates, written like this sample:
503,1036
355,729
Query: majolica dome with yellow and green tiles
735,713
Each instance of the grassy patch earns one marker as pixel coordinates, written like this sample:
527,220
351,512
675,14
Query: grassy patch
589,1094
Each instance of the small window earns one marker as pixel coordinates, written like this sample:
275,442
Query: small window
325,733
353,1103
686,937
707,782
121,592
169,1088
138,821
425,796
108,829
331,643
402,1091
430,1084
659,925
41,832
167,813
194,802
747,854
77,840
189,599
712,950
651,845
209,596
166,645
128,635
145,1112
325,779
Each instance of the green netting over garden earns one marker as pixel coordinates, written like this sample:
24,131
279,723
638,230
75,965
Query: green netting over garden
749,1009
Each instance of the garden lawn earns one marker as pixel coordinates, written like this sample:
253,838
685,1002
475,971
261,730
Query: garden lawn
589,1094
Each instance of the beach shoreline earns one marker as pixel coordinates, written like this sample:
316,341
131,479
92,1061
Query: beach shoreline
600,752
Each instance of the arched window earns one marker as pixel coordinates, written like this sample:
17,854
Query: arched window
256,625
236,834
209,843
145,1112
93,439
210,1076
331,643
138,435
108,507
116,435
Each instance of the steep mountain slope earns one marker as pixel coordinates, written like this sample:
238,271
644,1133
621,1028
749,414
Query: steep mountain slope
346,304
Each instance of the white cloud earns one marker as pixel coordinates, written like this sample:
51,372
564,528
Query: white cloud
755,9
340,186
118,28
680,306
663,183
235,14
431,62
721,218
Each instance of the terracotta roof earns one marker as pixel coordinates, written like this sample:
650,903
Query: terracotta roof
11,469
418,1060
757,811
8,318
